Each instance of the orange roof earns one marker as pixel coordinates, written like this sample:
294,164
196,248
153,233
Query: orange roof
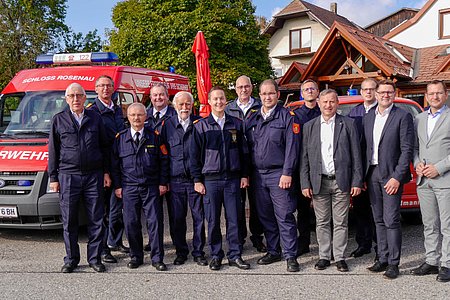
432,64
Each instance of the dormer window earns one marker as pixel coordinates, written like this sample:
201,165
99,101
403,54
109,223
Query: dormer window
444,23
300,40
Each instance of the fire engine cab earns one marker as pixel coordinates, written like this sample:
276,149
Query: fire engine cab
27,105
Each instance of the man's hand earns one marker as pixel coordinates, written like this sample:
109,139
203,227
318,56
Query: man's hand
118,193
244,182
54,186
392,186
307,193
199,188
162,189
285,182
106,180
419,169
355,191
430,171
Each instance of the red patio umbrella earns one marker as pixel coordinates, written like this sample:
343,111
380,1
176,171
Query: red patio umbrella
200,49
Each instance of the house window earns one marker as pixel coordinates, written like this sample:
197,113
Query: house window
444,23
300,40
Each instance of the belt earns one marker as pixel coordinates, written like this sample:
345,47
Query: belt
329,177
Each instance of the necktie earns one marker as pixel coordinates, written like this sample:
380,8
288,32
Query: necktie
136,139
157,116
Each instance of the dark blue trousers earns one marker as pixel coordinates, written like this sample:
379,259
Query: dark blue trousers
365,226
276,209
112,221
72,190
224,192
255,225
136,199
386,214
183,196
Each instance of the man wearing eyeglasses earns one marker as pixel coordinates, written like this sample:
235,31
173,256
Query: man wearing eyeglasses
241,108
432,163
389,143
113,120
365,227
308,111
78,167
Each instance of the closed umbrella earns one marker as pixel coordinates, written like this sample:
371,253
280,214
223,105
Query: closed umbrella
200,49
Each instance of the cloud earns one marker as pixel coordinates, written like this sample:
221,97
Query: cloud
276,10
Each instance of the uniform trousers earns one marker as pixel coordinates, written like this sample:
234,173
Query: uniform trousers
146,198
183,196
435,209
112,221
73,189
255,225
331,204
224,192
276,209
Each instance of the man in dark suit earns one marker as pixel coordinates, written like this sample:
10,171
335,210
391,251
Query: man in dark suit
331,171
389,143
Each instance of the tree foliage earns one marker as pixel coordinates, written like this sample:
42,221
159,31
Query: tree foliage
160,33
77,42
28,28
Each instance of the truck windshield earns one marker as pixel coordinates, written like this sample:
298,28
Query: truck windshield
31,113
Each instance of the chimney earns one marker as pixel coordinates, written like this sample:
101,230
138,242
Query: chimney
333,7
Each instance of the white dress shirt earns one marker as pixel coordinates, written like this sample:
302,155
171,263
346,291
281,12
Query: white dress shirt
110,106
266,115
162,112
184,123
220,121
77,117
326,144
367,108
433,118
245,107
133,133
378,126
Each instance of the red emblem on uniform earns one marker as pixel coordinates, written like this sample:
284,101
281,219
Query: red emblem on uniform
163,149
296,128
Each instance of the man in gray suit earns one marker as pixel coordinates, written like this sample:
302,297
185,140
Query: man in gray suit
432,163
331,171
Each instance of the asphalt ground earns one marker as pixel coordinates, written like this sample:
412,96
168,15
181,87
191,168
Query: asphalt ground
30,263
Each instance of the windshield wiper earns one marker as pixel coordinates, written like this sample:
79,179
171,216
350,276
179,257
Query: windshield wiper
5,135
38,133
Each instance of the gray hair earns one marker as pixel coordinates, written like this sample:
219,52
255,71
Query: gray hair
137,105
180,94
74,85
328,91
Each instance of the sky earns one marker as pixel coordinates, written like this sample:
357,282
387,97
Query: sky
87,15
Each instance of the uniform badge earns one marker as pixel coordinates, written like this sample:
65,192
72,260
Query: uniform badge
233,135
296,128
163,149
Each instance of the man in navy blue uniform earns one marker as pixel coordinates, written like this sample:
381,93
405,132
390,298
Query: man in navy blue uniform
308,111
140,170
78,167
272,135
113,120
240,108
177,132
365,226
219,167
156,115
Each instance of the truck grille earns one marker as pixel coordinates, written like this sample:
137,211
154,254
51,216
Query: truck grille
17,183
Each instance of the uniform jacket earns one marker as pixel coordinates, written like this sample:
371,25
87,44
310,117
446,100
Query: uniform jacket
156,125
395,151
305,114
233,109
346,155
274,143
113,119
434,150
357,113
75,149
217,153
179,143
143,164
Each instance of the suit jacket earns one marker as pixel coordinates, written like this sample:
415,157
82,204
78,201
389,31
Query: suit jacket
346,154
436,149
156,125
396,147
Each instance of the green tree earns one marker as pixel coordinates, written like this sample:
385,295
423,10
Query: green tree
28,28
161,32
77,42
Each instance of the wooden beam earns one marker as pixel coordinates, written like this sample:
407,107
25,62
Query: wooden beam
349,76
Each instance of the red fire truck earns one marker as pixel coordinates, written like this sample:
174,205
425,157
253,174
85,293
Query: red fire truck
27,105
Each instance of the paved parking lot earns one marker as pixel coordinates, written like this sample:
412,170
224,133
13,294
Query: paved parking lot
30,262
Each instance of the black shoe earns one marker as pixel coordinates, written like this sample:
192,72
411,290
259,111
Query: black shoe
160,266
239,262
444,275
201,260
268,259
292,265
322,264
120,248
301,251
392,272
179,260
215,264
425,269
342,266
359,252
147,248
260,247
98,267
108,258
133,264
378,267
68,268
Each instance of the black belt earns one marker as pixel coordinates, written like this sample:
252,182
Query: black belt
329,177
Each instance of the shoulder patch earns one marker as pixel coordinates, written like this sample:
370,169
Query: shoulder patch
296,128
89,105
163,149
196,121
156,132
292,113
117,135
253,110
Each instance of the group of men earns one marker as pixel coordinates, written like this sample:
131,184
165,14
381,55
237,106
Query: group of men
251,149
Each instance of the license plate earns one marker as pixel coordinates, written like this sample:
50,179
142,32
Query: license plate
8,212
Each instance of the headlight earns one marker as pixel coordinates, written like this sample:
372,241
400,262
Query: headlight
48,187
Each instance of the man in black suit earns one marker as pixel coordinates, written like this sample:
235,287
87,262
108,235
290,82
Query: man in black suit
389,144
331,171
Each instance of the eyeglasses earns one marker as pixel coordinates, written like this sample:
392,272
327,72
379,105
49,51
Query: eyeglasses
241,87
268,94
435,94
311,89
368,89
72,96
389,93
136,115
104,85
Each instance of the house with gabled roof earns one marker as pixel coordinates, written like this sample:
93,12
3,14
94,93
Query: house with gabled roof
391,21
297,32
